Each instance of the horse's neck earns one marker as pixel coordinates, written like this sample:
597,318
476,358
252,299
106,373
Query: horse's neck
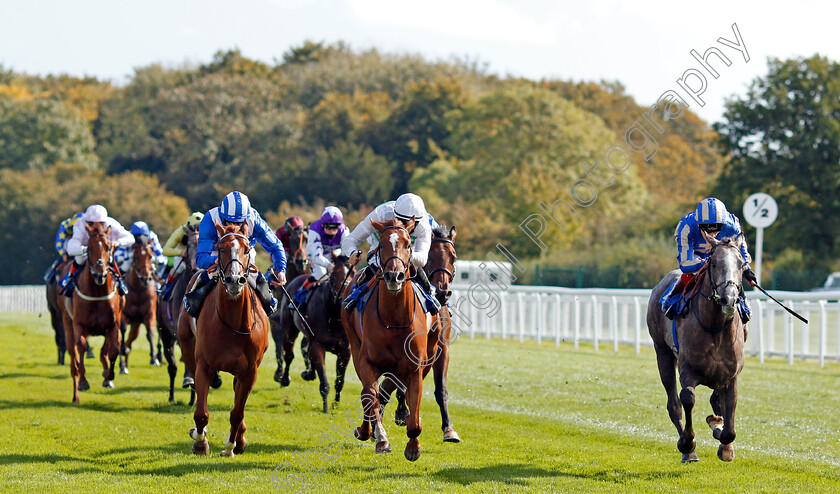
241,306
394,304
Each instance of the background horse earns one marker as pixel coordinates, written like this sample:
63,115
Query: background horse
95,309
168,313
323,314
707,346
55,315
231,335
391,338
440,269
140,303
297,264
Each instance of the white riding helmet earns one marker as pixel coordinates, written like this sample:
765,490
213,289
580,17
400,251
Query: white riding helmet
96,213
408,205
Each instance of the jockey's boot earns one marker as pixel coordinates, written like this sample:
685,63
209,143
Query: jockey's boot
431,301
744,309
65,285
194,299
309,373
308,282
119,279
269,302
48,277
352,299
671,298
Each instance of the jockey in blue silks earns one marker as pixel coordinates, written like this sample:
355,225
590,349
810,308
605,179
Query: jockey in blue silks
142,234
236,208
710,219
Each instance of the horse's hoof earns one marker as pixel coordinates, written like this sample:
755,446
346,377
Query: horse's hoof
83,385
278,375
240,447
123,370
154,362
399,419
216,382
412,454
201,448
89,353
335,405
308,375
726,452
690,457
716,424
685,446
107,383
450,436
188,383
385,447
361,435
285,381
326,407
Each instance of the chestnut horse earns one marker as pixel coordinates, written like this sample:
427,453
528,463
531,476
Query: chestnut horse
323,316
390,338
168,313
440,268
95,309
140,303
297,265
706,345
230,335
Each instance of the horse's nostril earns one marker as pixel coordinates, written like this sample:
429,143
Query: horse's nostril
241,280
400,277
228,280
447,293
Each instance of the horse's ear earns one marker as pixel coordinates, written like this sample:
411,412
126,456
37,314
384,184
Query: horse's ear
89,228
377,225
410,225
244,229
108,230
220,229
712,240
452,233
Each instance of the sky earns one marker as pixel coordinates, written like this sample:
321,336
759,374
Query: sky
643,44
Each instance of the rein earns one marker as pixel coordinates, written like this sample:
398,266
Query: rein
389,326
253,303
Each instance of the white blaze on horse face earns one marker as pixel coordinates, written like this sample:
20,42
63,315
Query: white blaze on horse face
394,238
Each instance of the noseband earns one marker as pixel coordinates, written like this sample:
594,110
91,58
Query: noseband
444,269
224,268
382,265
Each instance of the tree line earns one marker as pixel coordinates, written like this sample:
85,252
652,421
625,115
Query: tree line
329,125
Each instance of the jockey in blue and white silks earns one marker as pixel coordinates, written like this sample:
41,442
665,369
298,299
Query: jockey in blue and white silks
406,206
77,245
236,208
709,219
143,234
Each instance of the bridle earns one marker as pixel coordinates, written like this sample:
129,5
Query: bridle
382,266
144,280
222,278
715,296
108,264
444,269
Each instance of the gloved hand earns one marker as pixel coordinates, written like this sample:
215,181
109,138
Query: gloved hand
273,280
355,257
750,278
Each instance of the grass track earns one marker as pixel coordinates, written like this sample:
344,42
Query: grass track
532,418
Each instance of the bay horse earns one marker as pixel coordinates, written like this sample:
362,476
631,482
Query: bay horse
95,309
297,265
440,268
140,303
381,339
706,345
55,315
323,315
169,311
230,335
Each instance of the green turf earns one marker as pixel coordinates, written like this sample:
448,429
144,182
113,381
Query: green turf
532,418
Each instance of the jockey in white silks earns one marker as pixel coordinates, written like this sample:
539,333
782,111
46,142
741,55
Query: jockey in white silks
77,245
406,207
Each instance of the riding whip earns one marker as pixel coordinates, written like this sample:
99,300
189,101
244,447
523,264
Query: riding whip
292,304
783,305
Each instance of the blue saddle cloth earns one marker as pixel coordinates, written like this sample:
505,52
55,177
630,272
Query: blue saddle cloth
363,296
301,296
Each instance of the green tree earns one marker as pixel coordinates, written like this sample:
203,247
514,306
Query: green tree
783,138
37,133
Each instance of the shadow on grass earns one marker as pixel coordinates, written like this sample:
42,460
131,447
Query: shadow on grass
17,375
519,474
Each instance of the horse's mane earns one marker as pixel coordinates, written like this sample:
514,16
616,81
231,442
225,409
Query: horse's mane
441,231
392,222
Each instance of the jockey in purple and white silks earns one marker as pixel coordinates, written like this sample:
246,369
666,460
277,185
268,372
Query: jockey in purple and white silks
709,219
77,245
324,242
406,207
236,208
143,234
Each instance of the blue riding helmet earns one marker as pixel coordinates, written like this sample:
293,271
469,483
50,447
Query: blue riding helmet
140,228
235,207
710,211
